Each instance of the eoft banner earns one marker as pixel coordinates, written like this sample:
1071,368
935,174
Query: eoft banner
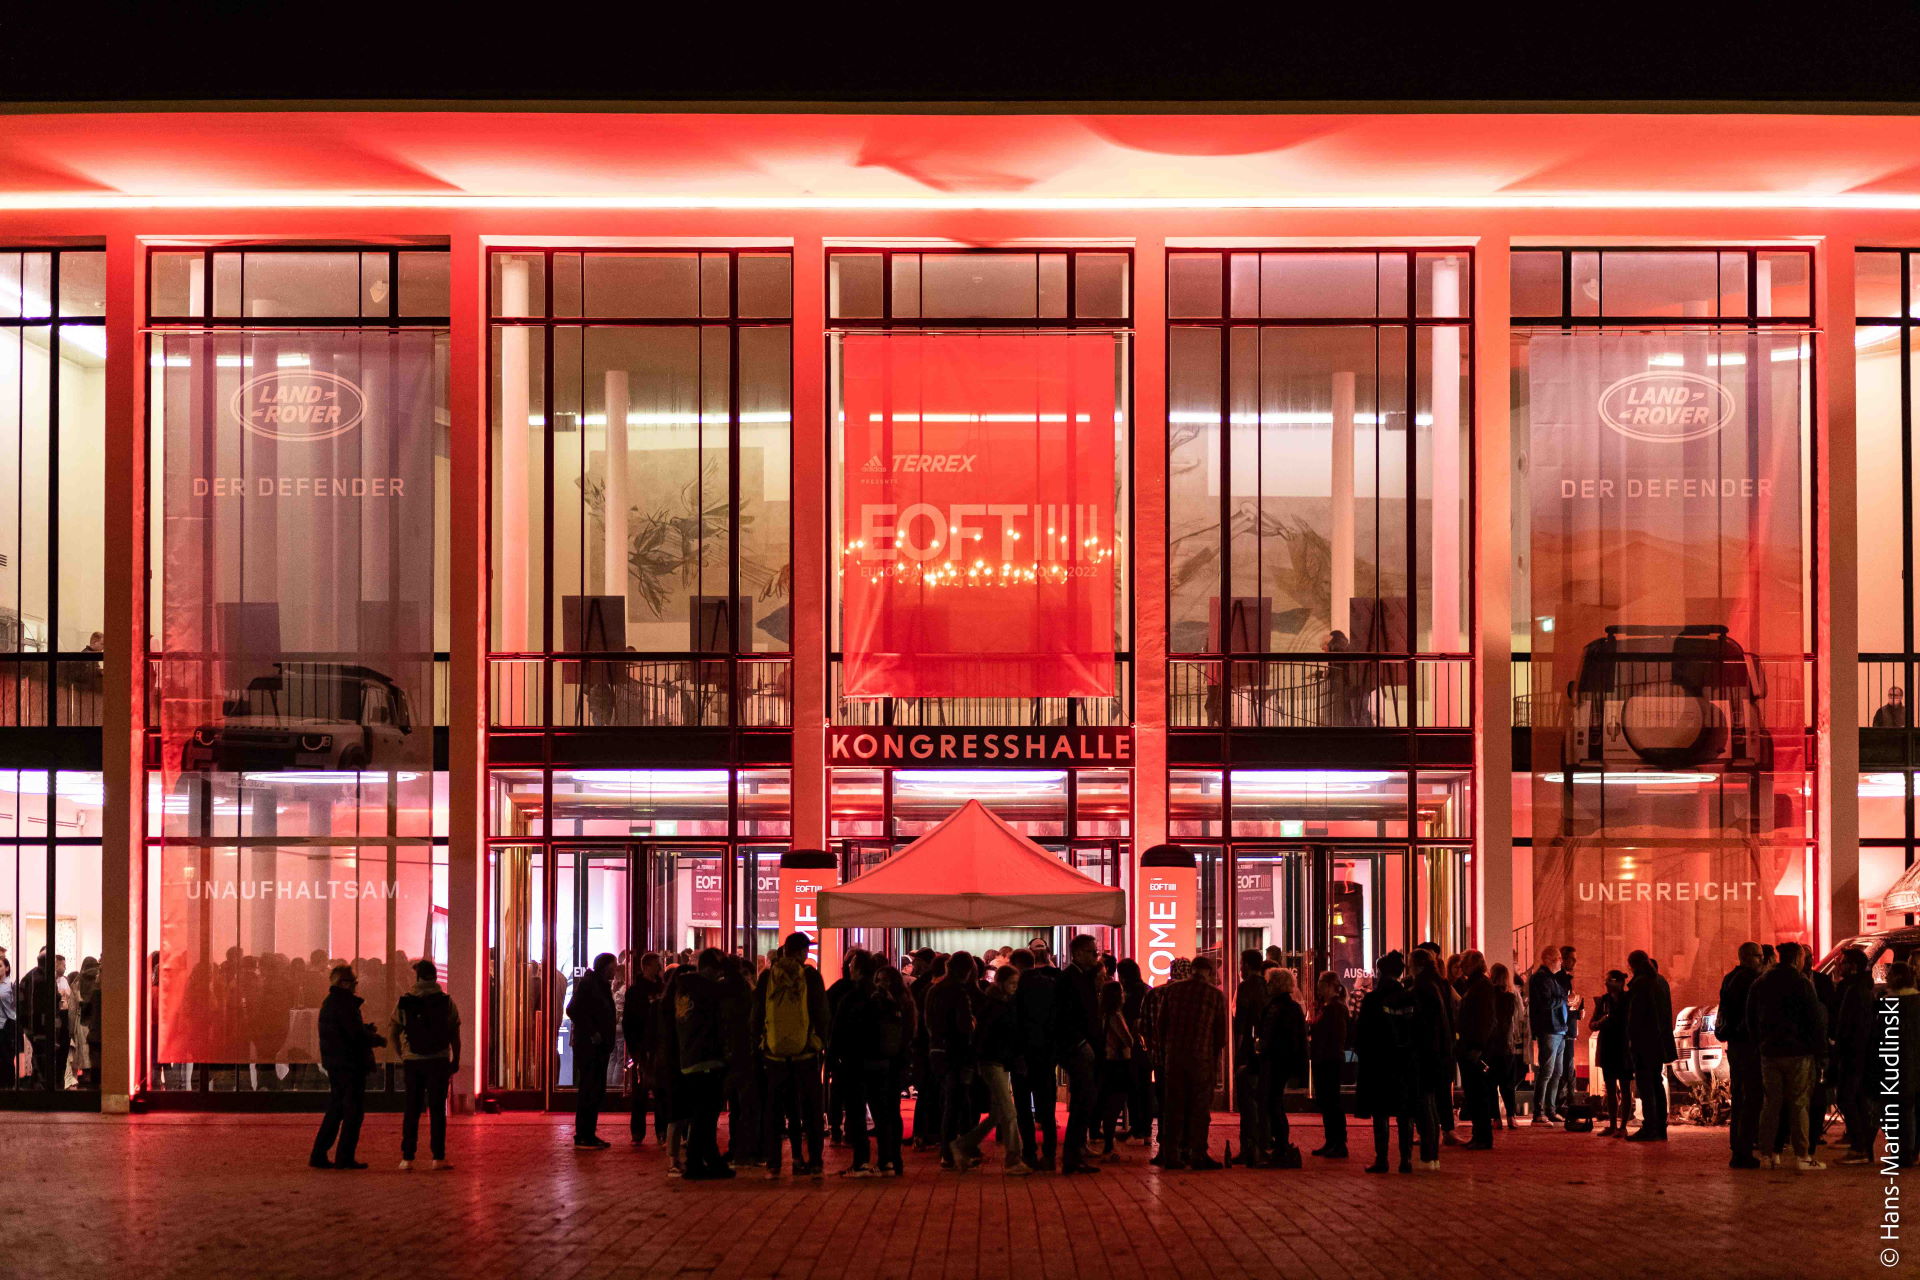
979,545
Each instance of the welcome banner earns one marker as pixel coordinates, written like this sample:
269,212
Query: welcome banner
1669,714
979,544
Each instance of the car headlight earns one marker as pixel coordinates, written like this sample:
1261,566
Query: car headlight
316,741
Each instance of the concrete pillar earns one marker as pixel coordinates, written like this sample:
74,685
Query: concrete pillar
1448,483
1340,488
517,524
464,966
812,563
613,580
1493,596
123,896
1837,601
1149,551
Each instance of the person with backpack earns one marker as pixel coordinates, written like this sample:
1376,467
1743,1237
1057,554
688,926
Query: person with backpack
790,1029
591,1011
426,1030
346,1052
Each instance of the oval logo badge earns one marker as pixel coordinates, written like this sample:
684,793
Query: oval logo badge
299,404
1666,408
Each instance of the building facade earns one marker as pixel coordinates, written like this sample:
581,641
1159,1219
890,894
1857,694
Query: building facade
506,537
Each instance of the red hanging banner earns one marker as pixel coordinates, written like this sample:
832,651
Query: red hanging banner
979,543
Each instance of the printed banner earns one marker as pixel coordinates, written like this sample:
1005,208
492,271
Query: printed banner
979,546
707,892
1169,918
1669,709
800,913
294,675
1253,894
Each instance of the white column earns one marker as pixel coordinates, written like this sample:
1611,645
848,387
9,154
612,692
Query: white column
1444,442
516,500
1340,487
1493,879
614,518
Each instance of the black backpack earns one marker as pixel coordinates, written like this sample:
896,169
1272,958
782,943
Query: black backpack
427,1023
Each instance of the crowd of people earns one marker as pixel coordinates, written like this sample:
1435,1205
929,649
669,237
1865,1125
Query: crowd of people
988,1045
50,1024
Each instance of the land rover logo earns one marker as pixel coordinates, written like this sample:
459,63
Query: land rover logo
1666,408
299,404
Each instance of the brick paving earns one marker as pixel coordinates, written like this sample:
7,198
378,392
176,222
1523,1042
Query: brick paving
216,1196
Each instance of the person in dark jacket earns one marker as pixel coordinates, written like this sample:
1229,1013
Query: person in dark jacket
1388,1080
1036,1087
1649,1044
1249,1092
1510,1028
1327,1056
640,1024
997,1043
1789,1027
847,1054
744,1088
1612,1063
346,1051
839,1092
591,1011
1480,1043
1732,1028
1078,1040
928,967
887,1016
1432,1051
950,1010
698,1057
1817,1092
1856,1034
1140,1066
1283,1059
1547,1015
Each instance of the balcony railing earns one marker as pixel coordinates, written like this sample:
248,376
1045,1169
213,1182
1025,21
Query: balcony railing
680,691
39,689
1010,713
1351,691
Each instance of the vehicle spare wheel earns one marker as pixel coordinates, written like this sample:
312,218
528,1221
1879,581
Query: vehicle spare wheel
1673,730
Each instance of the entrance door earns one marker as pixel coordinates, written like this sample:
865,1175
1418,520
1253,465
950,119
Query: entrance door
594,906
1324,906
685,905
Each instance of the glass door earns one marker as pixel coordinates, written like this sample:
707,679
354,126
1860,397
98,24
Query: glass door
857,857
757,899
594,912
685,906
1279,907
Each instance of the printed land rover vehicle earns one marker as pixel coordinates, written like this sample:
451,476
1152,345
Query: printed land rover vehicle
312,715
1669,698
1884,949
1702,1056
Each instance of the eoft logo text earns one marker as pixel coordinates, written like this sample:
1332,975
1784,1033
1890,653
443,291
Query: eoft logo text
1666,408
299,404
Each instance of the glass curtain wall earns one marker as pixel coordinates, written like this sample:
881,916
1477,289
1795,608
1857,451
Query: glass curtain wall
297,813
1318,478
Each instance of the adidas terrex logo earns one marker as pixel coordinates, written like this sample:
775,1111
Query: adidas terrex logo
949,462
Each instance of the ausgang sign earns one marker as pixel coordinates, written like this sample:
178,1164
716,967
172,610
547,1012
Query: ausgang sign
979,748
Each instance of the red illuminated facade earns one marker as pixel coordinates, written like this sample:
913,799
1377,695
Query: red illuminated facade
512,536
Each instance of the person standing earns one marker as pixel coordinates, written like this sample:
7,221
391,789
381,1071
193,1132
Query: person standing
1482,1041
1249,1002
1817,1092
927,970
640,1024
1569,1047
1510,1023
1139,1069
426,1030
996,1047
593,1016
1283,1059
1327,1057
696,1053
1190,1035
1856,1028
840,1092
743,1087
1078,1040
951,1006
1732,1027
1387,1078
1547,1015
790,1028
346,1053
1650,1045
1789,1027
1036,1087
1433,1049
1611,1059
889,1048
9,1026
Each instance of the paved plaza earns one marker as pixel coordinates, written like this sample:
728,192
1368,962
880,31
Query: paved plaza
179,1195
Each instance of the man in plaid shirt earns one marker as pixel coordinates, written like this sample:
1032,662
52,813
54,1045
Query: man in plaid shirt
1190,1034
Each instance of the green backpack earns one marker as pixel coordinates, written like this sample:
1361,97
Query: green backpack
787,1030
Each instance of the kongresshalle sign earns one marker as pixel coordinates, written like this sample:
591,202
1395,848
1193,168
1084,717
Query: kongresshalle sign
980,747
